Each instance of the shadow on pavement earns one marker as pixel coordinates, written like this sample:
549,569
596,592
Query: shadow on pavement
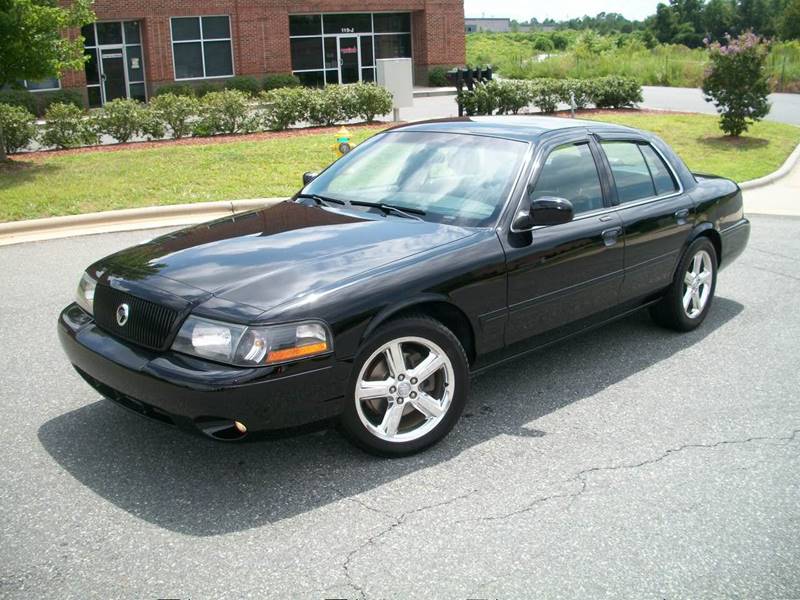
200,487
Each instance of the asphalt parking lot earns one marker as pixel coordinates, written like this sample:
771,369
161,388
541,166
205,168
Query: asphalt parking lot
630,462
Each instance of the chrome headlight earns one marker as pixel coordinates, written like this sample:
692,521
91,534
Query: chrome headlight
85,294
245,346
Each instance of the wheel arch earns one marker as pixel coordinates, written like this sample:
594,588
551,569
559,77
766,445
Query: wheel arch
434,306
707,229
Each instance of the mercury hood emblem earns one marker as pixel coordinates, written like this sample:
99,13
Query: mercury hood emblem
123,312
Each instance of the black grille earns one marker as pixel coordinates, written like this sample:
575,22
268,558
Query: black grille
148,325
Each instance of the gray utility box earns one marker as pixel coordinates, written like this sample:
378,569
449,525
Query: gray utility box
395,74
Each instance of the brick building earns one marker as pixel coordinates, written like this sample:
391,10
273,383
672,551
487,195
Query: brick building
138,45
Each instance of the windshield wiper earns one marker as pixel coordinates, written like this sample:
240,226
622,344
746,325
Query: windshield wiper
323,200
403,211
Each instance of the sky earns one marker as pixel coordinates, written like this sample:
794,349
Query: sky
522,10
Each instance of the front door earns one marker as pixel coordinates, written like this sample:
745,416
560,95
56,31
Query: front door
349,59
113,74
562,274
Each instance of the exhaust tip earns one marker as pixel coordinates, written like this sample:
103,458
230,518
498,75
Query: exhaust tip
224,430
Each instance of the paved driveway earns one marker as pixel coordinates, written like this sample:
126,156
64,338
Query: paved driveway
785,107
631,462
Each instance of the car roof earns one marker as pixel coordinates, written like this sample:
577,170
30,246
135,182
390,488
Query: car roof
514,127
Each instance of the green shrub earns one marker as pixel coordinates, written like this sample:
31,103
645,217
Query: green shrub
17,127
284,107
248,85
175,112
123,119
175,89
206,87
330,105
437,77
510,96
275,81
546,94
67,127
737,82
73,97
21,98
616,92
224,112
370,100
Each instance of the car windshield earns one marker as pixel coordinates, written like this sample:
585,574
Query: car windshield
453,178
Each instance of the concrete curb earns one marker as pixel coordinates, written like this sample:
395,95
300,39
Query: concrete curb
782,172
128,219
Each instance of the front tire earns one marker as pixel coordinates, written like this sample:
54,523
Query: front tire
409,385
686,303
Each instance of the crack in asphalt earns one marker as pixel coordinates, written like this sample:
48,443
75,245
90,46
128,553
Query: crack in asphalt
396,522
581,478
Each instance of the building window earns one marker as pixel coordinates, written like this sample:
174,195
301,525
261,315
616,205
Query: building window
42,85
342,47
201,47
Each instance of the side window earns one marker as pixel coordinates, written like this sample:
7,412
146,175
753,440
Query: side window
662,177
631,174
570,172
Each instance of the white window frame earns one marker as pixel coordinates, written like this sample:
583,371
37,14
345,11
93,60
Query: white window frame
202,40
36,91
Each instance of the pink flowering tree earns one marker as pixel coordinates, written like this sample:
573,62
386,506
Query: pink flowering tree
736,81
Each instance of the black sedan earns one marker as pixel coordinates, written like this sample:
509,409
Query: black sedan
429,253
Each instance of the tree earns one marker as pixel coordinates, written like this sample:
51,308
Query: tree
33,43
665,23
737,82
719,18
789,26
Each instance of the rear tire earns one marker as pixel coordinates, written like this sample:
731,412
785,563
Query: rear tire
409,385
687,301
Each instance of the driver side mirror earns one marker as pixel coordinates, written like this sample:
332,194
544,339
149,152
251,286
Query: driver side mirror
548,210
308,177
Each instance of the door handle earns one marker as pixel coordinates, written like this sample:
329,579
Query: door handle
682,216
610,235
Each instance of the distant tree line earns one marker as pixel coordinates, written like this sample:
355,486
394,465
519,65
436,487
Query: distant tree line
690,22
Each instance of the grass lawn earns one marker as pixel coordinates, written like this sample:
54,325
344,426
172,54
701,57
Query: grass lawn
80,182
72,183
699,142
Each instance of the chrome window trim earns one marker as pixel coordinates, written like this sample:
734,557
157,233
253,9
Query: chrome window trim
648,199
599,212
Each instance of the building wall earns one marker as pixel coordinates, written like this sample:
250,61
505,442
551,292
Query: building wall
260,31
495,25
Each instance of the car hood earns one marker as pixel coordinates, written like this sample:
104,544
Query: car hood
267,257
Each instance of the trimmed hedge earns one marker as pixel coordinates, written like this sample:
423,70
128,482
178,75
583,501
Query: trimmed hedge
280,80
511,96
21,98
67,127
17,127
248,85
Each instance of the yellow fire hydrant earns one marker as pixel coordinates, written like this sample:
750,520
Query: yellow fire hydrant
342,145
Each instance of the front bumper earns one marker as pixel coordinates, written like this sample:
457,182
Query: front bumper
193,393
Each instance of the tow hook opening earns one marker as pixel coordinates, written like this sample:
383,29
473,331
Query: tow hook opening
224,430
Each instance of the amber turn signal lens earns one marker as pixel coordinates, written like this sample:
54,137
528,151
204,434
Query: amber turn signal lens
297,352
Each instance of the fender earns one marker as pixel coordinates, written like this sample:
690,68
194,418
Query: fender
427,298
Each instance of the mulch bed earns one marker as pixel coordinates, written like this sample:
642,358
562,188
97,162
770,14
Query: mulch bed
193,141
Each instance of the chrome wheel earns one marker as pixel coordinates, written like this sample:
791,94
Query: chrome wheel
697,282
404,389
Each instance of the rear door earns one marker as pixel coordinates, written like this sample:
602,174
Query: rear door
563,273
656,213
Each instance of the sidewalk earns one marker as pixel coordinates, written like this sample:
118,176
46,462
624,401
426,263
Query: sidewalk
779,198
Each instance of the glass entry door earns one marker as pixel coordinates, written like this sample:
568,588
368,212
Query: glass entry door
349,59
113,74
